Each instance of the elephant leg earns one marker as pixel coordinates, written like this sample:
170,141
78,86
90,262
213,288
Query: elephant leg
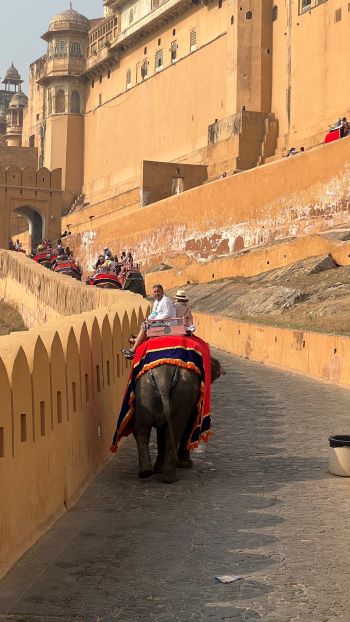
159,464
142,435
184,460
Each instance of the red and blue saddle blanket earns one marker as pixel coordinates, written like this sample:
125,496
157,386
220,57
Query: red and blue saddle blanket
183,351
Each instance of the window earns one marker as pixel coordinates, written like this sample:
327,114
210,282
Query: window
274,13
145,50
92,84
128,79
75,103
173,51
305,5
159,41
193,40
220,4
144,69
159,60
60,102
37,117
100,78
100,99
75,49
174,32
249,15
337,15
32,141
108,74
61,50
131,16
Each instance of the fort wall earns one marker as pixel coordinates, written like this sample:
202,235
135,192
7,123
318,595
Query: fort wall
293,196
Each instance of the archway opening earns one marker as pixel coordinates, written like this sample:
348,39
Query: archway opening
29,225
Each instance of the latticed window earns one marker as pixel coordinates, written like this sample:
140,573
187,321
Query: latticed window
60,106
193,39
75,103
128,79
75,49
61,49
159,60
173,51
144,69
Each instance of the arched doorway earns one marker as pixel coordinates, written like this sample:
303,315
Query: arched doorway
36,225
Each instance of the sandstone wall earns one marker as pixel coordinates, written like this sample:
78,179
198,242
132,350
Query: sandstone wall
60,390
292,196
61,385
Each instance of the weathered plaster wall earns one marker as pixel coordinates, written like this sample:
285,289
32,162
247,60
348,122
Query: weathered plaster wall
255,262
292,196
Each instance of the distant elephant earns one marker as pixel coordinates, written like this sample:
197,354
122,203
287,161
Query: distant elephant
166,398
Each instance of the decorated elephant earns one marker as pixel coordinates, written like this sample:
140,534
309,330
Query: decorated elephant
167,397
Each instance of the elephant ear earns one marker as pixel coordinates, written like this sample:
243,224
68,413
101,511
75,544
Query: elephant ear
216,369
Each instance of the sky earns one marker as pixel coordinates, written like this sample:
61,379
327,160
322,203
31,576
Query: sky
22,24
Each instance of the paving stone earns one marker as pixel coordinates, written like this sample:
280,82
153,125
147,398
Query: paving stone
259,502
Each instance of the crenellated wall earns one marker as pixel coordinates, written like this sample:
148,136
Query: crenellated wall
61,384
60,390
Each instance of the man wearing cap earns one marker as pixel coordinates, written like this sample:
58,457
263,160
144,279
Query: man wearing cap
182,307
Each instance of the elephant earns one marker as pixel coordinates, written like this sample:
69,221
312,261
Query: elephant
166,398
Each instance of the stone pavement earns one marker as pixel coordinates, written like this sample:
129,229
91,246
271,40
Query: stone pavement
259,503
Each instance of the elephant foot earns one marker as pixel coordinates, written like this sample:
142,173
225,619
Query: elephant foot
184,459
184,462
158,467
169,475
146,473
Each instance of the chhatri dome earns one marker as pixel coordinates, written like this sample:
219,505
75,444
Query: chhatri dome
12,76
19,100
69,20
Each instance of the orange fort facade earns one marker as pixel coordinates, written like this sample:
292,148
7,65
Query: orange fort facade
224,85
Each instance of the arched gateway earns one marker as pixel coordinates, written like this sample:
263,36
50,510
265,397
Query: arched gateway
34,195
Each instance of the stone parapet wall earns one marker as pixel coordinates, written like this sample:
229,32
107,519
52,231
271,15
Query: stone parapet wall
61,384
41,295
60,387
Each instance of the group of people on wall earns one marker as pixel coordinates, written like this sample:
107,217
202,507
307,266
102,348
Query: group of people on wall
108,263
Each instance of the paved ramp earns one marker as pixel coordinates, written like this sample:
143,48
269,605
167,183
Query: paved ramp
259,503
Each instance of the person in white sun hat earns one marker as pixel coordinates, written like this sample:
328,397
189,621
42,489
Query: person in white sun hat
182,307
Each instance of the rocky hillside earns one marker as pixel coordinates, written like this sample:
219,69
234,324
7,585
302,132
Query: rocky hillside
313,294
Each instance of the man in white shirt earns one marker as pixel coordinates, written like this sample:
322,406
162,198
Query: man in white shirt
163,309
